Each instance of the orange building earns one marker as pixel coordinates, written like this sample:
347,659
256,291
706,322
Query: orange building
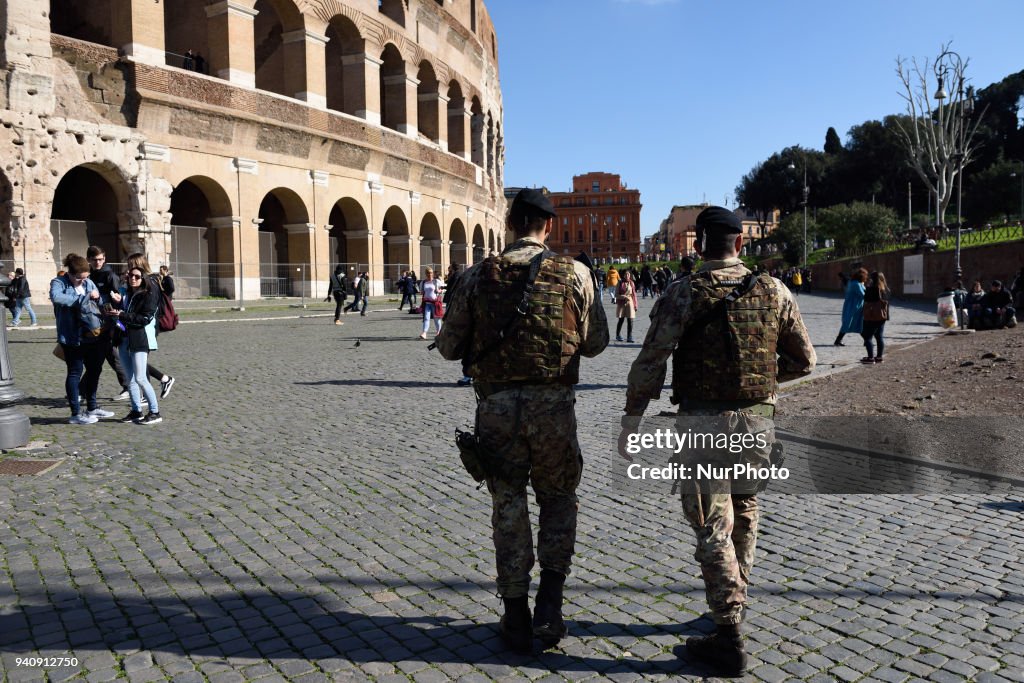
601,217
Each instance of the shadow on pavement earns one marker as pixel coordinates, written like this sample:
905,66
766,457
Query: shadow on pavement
1005,505
296,626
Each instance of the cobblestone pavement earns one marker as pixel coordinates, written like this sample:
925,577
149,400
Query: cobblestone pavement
301,515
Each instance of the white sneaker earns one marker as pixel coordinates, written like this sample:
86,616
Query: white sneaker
99,413
85,419
123,396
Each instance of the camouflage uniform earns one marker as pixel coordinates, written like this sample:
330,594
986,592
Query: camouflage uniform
527,422
725,521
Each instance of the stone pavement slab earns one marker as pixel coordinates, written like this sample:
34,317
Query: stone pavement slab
301,515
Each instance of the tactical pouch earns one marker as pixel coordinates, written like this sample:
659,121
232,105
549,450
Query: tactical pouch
777,457
469,452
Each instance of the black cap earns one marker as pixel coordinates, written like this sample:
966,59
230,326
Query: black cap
719,220
532,202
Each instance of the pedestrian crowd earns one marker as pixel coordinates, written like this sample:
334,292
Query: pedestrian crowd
105,318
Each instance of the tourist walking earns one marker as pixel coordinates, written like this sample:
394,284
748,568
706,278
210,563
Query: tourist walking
612,282
625,306
136,313
853,306
876,313
20,294
338,287
357,294
432,302
76,309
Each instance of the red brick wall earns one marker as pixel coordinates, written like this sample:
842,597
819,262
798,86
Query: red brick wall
985,263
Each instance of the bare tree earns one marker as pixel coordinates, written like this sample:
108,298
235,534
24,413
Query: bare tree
939,139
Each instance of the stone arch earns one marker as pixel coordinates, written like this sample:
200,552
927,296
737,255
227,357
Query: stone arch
456,119
89,205
427,96
7,236
393,112
430,242
201,237
90,21
346,82
185,29
393,10
349,236
477,129
397,245
275,18
478,243
459,249
284,218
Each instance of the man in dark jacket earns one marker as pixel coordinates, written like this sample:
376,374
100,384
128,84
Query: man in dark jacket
997,307
106,282
19,295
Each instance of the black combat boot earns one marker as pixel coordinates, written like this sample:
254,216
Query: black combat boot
548,625
722,650
515,625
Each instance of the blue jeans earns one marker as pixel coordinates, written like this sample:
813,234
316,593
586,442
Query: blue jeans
428,313
84,365
134,363
25,303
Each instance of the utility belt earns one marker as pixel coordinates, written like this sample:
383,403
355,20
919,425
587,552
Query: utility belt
754,406
486,389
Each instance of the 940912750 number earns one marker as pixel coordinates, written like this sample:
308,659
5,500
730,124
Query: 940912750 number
46,661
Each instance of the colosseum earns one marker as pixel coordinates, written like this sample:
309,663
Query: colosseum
251,145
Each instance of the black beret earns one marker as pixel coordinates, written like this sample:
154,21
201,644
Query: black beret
718,220
531,201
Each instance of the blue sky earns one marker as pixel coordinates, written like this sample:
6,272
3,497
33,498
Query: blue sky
682,97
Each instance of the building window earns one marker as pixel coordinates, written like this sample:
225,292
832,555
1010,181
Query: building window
579,235
622,234
579,220
596,187
593,201
622,219
608,200
593,236
565,221
565,237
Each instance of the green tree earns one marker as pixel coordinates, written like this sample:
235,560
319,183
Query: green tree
858,224
833,145
789,235
995,193
777,182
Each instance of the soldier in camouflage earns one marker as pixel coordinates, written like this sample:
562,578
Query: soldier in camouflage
733,336
523,353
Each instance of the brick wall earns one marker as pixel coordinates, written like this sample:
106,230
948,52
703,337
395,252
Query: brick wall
985,263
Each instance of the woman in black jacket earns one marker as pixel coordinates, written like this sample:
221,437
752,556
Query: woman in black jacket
876,312
139,301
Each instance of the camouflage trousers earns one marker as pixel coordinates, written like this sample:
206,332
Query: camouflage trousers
726,527
724,514
534,425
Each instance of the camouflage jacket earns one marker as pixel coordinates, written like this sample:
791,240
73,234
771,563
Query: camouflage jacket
669,320
454,339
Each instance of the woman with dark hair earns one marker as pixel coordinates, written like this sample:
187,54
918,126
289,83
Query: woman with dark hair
81,337
853,305
626,305
876,312
140,300
140,261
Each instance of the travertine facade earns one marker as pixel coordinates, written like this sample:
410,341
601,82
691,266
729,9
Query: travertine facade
251,144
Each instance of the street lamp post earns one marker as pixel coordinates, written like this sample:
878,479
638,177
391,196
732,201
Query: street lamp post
806,194
592,217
